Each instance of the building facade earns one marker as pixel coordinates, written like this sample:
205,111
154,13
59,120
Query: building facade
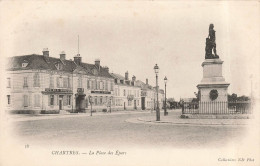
44,84
149,97
127,95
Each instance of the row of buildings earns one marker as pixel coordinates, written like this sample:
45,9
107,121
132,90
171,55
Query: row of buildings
44,84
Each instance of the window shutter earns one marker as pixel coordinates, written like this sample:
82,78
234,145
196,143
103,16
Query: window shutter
30,99
68,82
34,80
57,102
49,100
54,100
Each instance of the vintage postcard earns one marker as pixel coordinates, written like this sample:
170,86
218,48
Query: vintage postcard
129,83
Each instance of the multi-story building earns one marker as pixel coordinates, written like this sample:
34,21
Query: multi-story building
148,96
127,95
40,83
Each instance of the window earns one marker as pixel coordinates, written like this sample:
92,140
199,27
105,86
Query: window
69,99
8,82
95,101
36,80
58,66
25,84
88,84
129,103
8,99
96,86
105,99
58,82
65,82
36,100
25,100
101,85
68,82
92,84
24,64
79,82
51,82
112,86
101,100
124,93
137,102
106,85
51,99
65,100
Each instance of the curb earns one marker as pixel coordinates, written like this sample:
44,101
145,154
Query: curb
188,123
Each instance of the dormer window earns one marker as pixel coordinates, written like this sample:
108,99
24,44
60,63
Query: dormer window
58,66
95,72
25,63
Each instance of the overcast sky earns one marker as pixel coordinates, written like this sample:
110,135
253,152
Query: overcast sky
134,36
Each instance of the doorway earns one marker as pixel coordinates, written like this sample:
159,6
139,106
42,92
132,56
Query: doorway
143,103
80,103
60,102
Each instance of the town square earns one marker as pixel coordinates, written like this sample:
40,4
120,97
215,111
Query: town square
163,83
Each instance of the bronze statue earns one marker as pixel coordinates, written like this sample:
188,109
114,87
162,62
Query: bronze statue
211,44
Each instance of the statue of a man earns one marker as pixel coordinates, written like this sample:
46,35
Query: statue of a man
211,44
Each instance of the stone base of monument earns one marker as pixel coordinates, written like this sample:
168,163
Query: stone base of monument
213,88
201,116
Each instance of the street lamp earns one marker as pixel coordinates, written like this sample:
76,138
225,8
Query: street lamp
90,101
165,109
156,70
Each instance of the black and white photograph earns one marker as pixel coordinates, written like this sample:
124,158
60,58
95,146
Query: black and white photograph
126,83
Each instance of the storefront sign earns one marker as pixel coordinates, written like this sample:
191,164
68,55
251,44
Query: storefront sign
57,90
101,92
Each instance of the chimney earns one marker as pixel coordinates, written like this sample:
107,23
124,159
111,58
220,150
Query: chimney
126,75
62,56
45,52
106,69
133,78
146,81
97,62
77,59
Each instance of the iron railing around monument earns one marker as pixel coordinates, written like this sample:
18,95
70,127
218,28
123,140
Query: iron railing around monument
217,107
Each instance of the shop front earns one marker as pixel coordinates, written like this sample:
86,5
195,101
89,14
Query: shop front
81,102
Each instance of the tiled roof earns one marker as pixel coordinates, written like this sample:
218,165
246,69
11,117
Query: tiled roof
143,85
40,62
117,76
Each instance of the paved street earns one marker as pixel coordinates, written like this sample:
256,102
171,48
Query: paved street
116,129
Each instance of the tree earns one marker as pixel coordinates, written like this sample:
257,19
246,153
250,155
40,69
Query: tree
234,97
171,103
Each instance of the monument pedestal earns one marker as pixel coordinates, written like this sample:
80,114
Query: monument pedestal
213,88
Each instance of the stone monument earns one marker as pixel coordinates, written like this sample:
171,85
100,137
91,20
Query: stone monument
213,87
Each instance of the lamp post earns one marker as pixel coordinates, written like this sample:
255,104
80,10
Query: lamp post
156,70
90,101
165,106
110,103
